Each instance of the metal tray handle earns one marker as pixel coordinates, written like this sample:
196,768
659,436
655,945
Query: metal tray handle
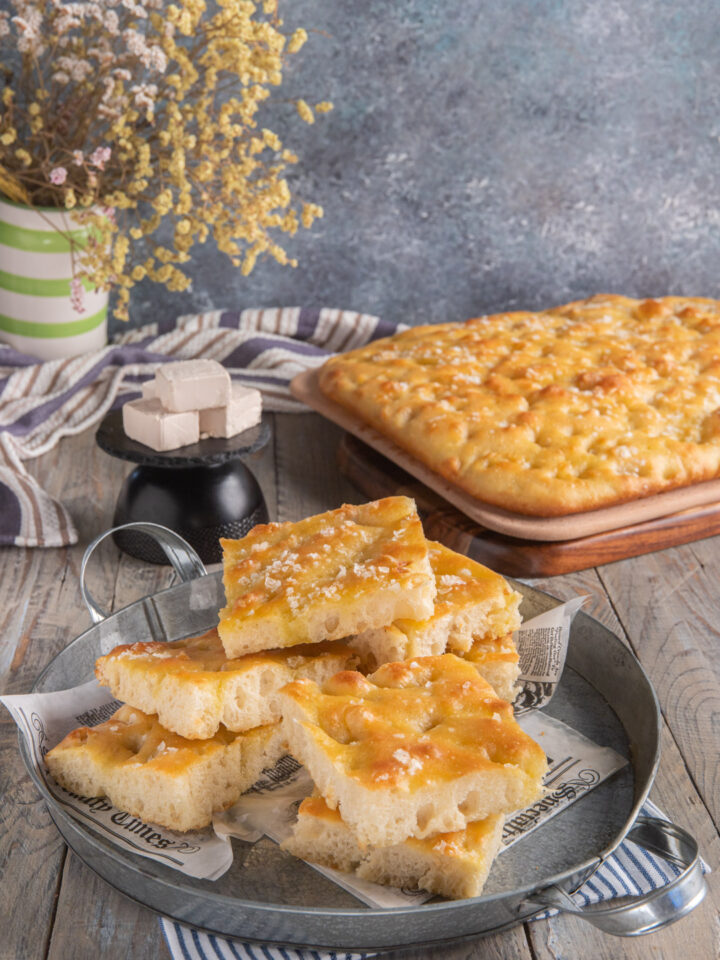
185,562
650,911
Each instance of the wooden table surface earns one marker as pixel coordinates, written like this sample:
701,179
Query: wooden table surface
666,606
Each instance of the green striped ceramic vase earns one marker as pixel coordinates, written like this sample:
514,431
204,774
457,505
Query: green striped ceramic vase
36,315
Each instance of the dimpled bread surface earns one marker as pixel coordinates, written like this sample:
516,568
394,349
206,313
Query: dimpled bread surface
325,577
194,687
448,864
419,747
582,406
158,776
471,600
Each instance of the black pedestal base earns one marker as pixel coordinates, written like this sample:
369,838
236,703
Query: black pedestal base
201,503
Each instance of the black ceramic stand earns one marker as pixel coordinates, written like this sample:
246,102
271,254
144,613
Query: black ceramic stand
203,491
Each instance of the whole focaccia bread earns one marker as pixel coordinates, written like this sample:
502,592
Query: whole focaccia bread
583,406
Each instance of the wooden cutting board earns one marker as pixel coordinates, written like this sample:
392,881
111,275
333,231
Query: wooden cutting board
563,528
376,476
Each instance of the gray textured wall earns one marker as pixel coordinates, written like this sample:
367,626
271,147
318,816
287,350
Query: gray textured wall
487,154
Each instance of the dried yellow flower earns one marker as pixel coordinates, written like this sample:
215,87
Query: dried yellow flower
297,40
174,133
305,111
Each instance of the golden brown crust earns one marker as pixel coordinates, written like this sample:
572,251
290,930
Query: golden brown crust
463,583
465,843
583,406
204,658
194,687
157,775
471,600
325,577
414,723
454,864
496,660
135,738
418,748
492,650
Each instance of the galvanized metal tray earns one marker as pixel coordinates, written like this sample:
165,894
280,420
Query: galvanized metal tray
271,897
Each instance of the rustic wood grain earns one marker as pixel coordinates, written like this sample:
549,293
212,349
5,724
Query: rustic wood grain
41,611
55,907
308,480
510,945
93,920
675,631
31,857
675,793
263,465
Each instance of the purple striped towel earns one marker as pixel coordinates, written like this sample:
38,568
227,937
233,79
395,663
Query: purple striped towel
42,402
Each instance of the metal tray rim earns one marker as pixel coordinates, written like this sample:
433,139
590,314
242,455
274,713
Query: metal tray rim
364,912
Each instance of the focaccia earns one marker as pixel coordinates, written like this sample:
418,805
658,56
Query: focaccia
496,659
158,776
454,865
194,687
325,577
419,747
471,601
579,407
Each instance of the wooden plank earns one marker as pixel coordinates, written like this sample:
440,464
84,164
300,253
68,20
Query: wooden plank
307,477
94,920
31,856
675,630
510,945
674,792
41,612
263,465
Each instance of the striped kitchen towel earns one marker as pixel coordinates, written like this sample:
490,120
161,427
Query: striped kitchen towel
42,402
628,871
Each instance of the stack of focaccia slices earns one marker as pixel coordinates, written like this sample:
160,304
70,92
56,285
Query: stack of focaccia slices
415,764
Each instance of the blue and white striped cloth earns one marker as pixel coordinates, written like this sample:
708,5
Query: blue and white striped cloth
629,871
42,402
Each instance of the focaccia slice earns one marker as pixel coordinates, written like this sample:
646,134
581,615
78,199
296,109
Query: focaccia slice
454,865
419,747
471,600
158,776
194,687
496,659
325,577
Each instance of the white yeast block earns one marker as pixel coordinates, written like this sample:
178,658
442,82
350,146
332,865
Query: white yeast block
193,385
149,389
242,412
147,422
